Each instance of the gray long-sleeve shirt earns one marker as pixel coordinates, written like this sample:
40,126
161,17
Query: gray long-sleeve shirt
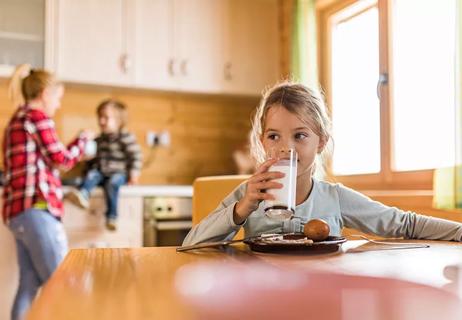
117,153
336,204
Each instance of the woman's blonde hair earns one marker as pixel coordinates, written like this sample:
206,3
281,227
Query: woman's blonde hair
307,104
27,84
119,107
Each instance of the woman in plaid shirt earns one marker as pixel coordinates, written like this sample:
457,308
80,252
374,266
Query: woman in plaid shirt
32,155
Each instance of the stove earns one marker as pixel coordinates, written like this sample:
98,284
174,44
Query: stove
167,220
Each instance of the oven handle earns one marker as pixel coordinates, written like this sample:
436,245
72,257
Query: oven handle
173,225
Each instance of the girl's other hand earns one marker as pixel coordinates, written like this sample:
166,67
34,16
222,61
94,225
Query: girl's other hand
256,191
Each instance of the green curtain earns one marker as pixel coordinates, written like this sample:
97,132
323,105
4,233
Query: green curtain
304,50
448,181
304,62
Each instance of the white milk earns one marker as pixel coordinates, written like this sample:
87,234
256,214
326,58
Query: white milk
284,197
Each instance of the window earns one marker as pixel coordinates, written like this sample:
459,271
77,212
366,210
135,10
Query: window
388,71
355,65
423,93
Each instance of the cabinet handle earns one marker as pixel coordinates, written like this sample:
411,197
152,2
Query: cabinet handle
184,67
125,63
383,81
227,71
171,67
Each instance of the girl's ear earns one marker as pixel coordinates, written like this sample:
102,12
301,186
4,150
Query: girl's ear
322,144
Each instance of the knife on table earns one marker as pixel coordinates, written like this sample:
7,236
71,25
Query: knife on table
221,243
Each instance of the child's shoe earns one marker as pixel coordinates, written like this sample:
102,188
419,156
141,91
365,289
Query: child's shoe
78,198
111,224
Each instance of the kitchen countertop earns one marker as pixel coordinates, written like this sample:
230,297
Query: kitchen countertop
149,191
158,190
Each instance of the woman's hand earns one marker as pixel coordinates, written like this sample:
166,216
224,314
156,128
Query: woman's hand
87,134
256,191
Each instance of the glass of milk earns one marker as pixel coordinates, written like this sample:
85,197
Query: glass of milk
283,206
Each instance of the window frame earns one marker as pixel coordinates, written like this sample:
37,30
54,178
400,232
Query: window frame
386,179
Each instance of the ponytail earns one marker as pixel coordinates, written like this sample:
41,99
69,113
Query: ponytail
27,84
14,88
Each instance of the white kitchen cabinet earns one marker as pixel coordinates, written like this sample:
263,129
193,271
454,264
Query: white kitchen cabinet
9,270
24,34
131,220
155,65
94,41
252,46
204,46
198,44
179,45
86,228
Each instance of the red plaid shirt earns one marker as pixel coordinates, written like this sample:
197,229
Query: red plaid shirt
32,155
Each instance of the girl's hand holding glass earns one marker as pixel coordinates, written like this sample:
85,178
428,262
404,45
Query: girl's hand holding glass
256,191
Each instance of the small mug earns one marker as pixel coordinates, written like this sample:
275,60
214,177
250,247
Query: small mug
90,149
283,206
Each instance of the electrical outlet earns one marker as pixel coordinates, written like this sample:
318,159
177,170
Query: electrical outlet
164,138
161,138
151,137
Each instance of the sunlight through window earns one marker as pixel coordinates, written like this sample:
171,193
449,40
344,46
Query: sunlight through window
424,83
355,106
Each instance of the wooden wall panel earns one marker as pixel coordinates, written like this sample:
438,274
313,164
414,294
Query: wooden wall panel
204,129
286,8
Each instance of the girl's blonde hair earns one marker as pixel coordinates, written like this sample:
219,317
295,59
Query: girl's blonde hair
307,104
27,84
119,107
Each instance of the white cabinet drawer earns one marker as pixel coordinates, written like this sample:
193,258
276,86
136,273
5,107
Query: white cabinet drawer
77,218
87,228
129,214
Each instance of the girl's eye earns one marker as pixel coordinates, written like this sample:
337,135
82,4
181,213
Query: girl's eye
273,136
301,136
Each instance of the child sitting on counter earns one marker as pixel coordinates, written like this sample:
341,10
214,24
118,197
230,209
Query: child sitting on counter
117,160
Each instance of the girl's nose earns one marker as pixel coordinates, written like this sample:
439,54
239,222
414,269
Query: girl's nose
287,144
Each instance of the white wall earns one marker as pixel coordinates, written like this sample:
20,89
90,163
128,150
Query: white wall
8,272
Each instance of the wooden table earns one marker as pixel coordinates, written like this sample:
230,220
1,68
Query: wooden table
142,283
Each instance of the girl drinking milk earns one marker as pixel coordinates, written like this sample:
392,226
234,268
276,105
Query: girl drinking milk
291,115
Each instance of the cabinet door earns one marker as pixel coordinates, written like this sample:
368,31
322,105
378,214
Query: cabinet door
253,48
9,271
86,228
198,44
156,64
93,41
79,219
22,34
131,218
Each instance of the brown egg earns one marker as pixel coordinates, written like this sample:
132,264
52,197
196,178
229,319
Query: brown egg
316,230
